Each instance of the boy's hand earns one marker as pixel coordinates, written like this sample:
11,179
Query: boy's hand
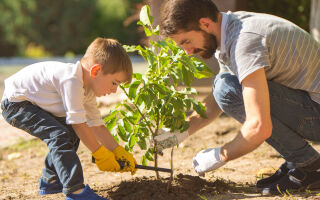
207,160
105,160
165,139
122,155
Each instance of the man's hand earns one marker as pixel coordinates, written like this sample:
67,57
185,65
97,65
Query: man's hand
105,160
207,160
165,139
122,155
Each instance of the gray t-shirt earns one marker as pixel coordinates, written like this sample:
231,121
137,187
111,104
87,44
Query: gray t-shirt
288,54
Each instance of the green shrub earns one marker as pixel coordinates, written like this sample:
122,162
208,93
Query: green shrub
297,12
60,26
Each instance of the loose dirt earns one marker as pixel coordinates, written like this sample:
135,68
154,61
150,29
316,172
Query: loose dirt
21,165
236,180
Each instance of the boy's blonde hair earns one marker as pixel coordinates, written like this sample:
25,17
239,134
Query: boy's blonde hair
110,54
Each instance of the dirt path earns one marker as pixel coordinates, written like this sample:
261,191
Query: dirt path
21,164
19,176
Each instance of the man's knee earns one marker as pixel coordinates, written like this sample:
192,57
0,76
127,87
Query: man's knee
227,90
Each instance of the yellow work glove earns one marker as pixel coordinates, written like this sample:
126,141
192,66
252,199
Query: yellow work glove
105,160
122,155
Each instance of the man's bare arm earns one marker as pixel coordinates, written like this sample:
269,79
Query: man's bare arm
258,126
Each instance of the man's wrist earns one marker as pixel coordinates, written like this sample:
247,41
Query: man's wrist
223,154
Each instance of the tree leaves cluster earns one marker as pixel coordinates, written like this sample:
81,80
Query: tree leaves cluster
160,98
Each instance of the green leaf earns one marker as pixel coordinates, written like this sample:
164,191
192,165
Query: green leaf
147,31
177,105
127,126
122,133
187,76
111,124
156,31
144,160
133,89
201,69
145,131
131,48
145,17
148,156
142,142
200,109
137,76
161,88
128,108
132,140
110,116
147,100
133,117
188,103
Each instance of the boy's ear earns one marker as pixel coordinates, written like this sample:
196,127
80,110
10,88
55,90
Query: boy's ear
95,69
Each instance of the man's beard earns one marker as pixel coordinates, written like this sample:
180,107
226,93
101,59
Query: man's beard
210,46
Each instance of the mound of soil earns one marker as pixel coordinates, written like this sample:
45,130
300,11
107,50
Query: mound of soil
183,187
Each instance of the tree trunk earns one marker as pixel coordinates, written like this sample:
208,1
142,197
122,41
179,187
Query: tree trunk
315,19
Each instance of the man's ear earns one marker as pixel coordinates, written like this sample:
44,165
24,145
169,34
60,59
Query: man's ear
205,23
95,69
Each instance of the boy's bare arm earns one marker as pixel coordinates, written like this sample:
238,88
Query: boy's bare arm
104,136
86,136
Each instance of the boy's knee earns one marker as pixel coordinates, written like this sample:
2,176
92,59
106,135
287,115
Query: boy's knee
62,140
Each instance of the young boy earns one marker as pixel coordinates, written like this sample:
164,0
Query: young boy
56,102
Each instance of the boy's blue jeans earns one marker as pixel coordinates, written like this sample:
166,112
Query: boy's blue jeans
62,161
295,117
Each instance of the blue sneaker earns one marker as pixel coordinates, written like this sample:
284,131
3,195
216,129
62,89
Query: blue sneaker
49,188
86,194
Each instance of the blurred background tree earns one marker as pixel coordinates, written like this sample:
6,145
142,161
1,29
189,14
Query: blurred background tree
297,11
36,28
62,26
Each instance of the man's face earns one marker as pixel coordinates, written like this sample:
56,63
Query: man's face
197,42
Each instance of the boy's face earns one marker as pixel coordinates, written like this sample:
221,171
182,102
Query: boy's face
103,84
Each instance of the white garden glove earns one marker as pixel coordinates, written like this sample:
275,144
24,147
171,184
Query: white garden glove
207,160
165,139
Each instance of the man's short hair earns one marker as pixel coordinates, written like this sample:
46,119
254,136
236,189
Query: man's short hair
110,54
184,15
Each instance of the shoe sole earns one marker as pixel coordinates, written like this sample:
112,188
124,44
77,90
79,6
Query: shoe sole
43,192
313,187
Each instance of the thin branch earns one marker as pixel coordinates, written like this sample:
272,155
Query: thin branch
142,115
171,175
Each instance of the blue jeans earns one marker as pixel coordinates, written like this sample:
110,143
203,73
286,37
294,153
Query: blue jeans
62,161
295,117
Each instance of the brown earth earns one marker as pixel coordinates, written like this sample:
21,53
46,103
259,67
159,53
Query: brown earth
236,180
21,164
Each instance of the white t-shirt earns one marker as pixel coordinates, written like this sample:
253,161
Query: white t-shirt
57,88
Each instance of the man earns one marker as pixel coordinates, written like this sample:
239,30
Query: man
272,87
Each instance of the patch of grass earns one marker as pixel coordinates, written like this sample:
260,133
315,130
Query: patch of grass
23,144
203,198
8,70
